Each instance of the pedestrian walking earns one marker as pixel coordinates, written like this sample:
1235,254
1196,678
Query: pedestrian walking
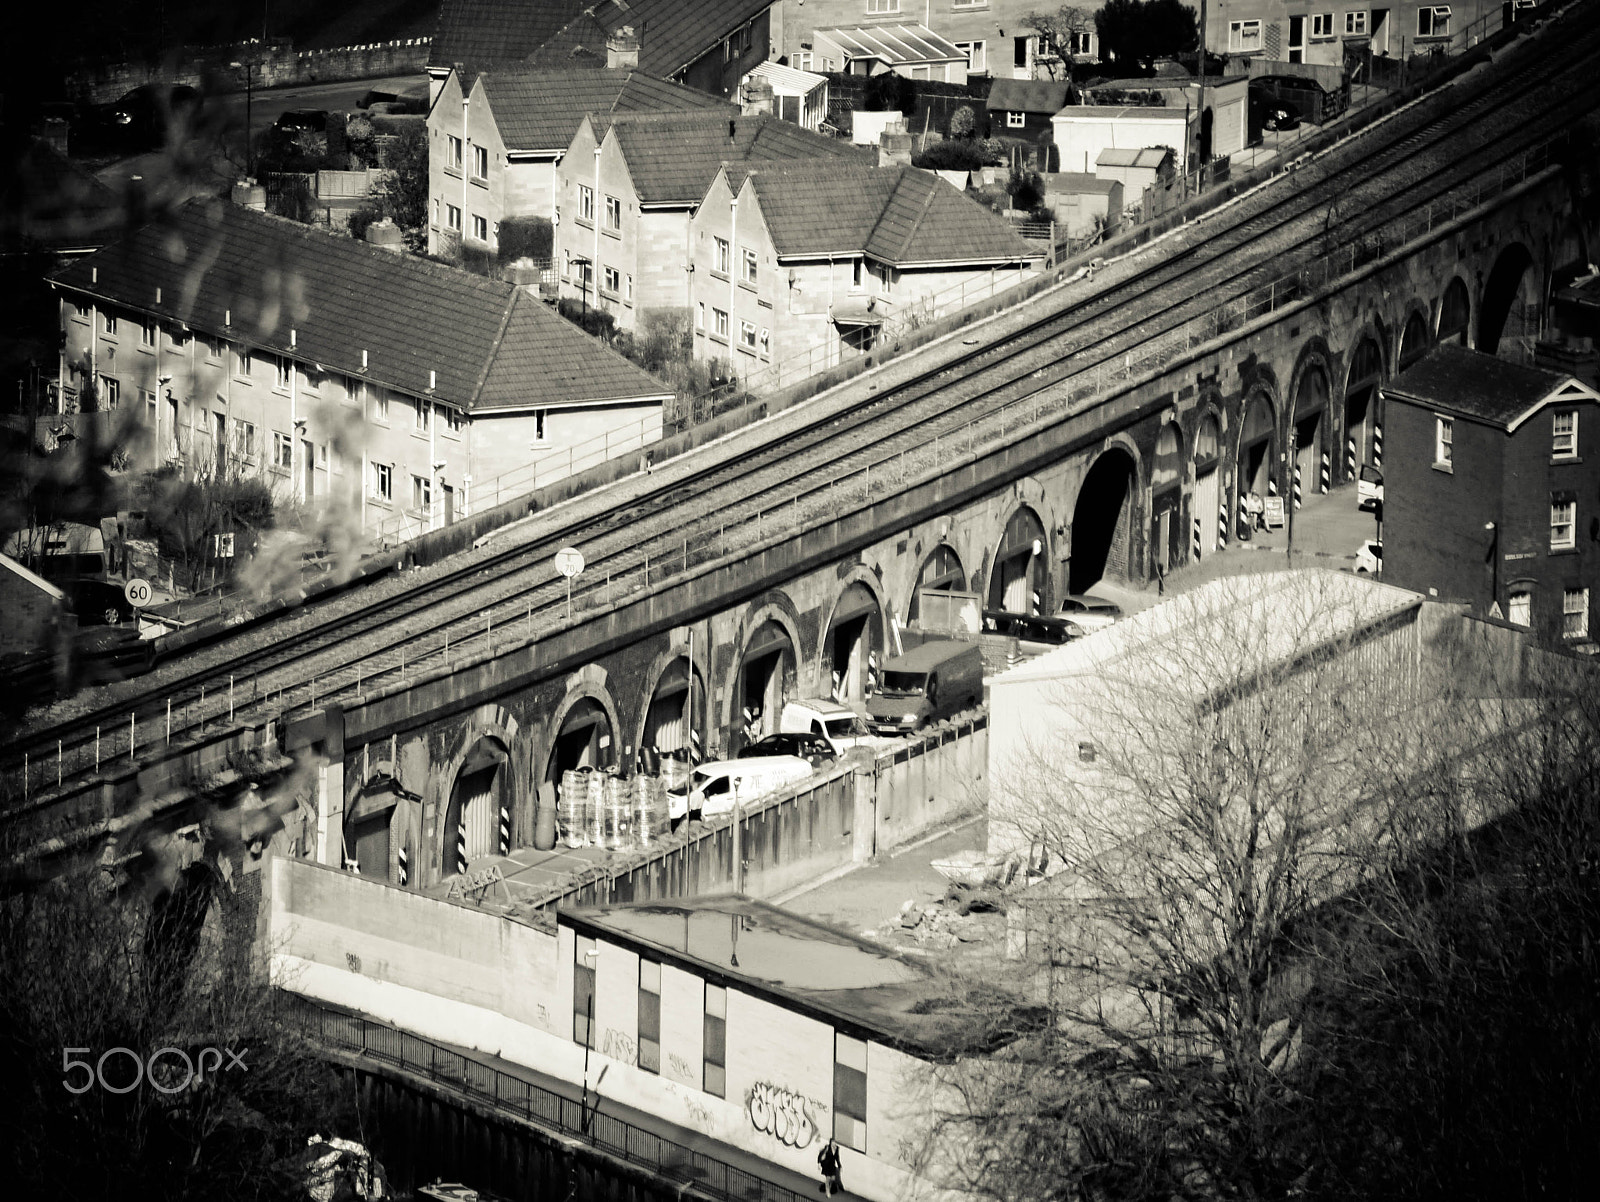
828,1161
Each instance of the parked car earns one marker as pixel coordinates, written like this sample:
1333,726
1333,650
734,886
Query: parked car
841,726
144,117
1272,111
814,749
310,120
1369,487
1090,612
1038,629
99,602
1369,557
925,684
714,785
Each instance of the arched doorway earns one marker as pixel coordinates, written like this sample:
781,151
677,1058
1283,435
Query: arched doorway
1510,310
766,681
676,716
1413,340
941,571
1167,535
478,819
1312,469
1455,313
1255,448
584,739
377,841
1020,576
1362,431
1210,516
855,633
1102,522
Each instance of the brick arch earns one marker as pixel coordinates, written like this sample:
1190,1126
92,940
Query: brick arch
920,559
863,575
1415,316
700,666
1457,289
588,683
776,606
1042,574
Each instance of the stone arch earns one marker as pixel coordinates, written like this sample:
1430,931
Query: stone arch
1363,418
1104,524
1455,313
478,808
583,729
1209,506
1509,309
674,717
855,633
1255,452
1168,467
1415,340
941,569
1312,425
1019,567
765,672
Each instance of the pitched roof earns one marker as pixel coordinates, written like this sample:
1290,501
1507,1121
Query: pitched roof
897,215
480,343
672,33
673,157
1149,156
1028,95
893,43
1110,112
1496,391
787,80
538,109
488,31
48,202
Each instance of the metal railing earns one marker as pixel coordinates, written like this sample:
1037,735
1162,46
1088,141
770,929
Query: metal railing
544,1108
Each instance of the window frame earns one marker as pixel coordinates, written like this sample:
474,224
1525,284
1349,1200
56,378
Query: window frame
1563,524
719,323
613,213
1580,628
147,334
541,434
1355,22
1438,27
452,218
1237,31
1557,436
747,335
480,159
244,439
421,493
1444,442
586,204
282,371
421,420
282,452
452,152
382,483
108,324
1016,120
882,8
1321,27
1525,596
977,56
749,266
721,256
480,227
110,392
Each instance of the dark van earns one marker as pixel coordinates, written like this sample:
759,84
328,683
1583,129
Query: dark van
925,684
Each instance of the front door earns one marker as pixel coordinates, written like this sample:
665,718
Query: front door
308,486
449,503
1297,39
1380,31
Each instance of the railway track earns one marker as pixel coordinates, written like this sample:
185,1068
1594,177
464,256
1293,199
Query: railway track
710,507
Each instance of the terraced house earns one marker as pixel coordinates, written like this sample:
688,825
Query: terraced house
813,258
494,140
247,343
1306,31
628,189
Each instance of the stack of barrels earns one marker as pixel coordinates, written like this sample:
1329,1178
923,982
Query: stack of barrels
602,809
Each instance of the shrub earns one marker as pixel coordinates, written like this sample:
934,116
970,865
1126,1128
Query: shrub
526,238
594,321
950,156
963,123
1026,189
889,92
361,220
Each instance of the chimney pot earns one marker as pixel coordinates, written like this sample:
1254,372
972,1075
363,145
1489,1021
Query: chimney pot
622,49
386,234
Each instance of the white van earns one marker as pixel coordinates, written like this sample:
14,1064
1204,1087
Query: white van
839,724
712,787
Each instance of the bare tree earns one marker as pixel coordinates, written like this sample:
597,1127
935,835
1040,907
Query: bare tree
1058,32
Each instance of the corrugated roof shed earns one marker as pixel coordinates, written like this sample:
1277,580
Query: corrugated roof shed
893,44
1469,383
256,279
537,109
673,157
1028,95
898,215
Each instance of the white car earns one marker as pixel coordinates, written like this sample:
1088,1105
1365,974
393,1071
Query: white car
1369,487
1369,557
1089,612
712,788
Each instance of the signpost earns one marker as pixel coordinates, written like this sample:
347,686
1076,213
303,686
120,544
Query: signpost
1274,513
138,593
569,562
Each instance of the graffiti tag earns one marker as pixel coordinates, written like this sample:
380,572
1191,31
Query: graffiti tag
781,1113
619,1047
679,1067
699,1112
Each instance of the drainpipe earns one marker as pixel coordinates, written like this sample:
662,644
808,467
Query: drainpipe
733,282
294,426
595,219
433,462
466,100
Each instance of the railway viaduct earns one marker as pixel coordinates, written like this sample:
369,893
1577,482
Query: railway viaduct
1146,476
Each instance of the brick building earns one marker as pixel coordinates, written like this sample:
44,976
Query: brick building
1491,480
1302,31
338,370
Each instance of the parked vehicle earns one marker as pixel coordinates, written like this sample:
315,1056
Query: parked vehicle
143,117
814,749
925,684
713,785
1038,629
1089,612
1369,557
1369,487
311,120
840,725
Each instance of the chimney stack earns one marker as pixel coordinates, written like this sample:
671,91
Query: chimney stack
894,147
250,195
385,233
622,48
757,97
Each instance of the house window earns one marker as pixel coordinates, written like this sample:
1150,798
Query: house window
110,391
879,7
454,421
147,333
1563,521
584,954
1564,433
628,289
858,272
383,482
282,450
802,60
281,368
452,217
1443,437
1433,22
312,377
421,492
1575,613
766,342
716,1041
480,162
110,325
585,203
977,58
380,406
720,319
480,228
538,425
435,210
747,335
850,1092
1519,609
719,260
214,348
81,312
1244,35
750,265
613,280
147,404
650,1016
244,438
613,213
1322,25
1355,24
1016,120
420,417
700,316
454,152
1080,42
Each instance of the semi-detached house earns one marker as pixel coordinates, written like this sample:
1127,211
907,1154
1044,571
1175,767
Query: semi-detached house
338,370
630,184
494,140
812,258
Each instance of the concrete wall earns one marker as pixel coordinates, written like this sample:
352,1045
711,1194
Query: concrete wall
1080,139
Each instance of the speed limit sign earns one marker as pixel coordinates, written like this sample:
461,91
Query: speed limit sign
138,592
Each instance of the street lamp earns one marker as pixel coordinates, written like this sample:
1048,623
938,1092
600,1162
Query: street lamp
1494,564
249,105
